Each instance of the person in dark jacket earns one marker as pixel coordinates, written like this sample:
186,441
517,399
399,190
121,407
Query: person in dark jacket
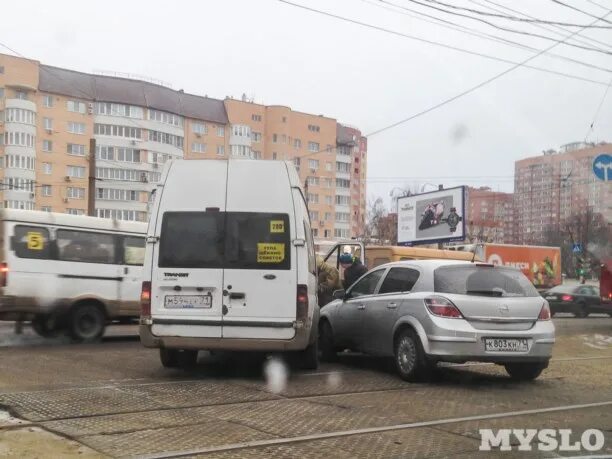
353,269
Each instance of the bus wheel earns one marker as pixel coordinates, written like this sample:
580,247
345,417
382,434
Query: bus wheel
45,326
87,322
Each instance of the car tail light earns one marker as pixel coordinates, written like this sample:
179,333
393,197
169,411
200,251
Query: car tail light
544,312
145,299
442,307
567,298
302,303
3,274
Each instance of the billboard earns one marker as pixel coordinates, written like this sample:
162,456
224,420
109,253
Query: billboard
432,217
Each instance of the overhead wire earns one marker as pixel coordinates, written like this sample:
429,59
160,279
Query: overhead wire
597,111
558,2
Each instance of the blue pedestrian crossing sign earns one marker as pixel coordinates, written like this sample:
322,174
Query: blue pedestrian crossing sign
577,248
602,167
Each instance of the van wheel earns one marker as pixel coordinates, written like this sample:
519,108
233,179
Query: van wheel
87,322
525,371
178,358
326,342
310,356
410,360
45,326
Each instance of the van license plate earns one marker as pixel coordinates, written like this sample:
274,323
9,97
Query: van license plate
187,301
506,344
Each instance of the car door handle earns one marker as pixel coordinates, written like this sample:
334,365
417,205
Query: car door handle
236,296
391,305
361,306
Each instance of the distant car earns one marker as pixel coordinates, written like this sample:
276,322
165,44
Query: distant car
580,300
426,311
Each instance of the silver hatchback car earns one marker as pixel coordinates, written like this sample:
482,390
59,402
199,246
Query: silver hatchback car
426,311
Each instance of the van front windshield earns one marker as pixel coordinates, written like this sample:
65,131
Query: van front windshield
229,240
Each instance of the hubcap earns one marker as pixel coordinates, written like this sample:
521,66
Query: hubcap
88,324
406,355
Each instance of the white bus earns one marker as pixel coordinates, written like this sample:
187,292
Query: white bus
69,273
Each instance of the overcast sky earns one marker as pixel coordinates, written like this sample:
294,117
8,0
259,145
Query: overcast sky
280,54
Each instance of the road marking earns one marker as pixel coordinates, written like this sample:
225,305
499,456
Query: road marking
347,433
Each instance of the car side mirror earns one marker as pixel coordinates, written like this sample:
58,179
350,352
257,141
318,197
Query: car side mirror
339,294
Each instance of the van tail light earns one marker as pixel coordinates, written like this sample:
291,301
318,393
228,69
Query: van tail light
544,312
442,307
567,298
302,303
3,274
145,299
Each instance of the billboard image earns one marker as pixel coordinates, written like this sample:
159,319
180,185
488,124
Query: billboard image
431,217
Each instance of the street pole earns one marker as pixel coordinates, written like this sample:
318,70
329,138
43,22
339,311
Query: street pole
91,192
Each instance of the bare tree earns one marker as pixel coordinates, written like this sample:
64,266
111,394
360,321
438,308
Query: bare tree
382,225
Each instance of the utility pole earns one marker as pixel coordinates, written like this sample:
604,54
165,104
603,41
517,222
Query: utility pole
91,192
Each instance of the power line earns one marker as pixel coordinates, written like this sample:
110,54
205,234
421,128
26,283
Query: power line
521,32
554,29
576,9
597,111
470,31
517,19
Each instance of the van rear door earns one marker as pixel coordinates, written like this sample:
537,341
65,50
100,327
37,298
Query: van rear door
260,277
187,277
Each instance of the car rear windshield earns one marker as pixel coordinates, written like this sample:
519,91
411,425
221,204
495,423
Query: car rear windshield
229,240
483,281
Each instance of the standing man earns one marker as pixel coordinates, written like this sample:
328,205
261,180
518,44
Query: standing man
329,280
353,269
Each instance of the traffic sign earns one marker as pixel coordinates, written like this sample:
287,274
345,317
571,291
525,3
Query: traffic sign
577,248
601,167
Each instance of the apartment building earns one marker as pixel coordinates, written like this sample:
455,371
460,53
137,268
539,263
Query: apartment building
49,115
557,186
490,216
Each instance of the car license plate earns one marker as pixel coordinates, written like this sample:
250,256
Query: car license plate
187,301
506,344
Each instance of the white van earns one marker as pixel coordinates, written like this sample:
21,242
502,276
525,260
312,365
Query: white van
69,272
230,262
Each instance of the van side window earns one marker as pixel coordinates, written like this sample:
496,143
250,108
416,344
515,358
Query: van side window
85,247
399,280
312,262
32,242
133,250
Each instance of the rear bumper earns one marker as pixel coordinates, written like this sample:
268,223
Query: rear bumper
299,342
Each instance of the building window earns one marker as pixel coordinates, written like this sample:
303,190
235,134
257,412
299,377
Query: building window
343,216
221,131
75,149
314,215
313,164
47,145
198,147
111,194
312,198
343,200
274,138
128,175
130,215
312,181
327,216
75,211
131,111
313,146
341,233
256,117
343,167
46,190
328,166
45,208
241,150
257,155
313,128
256,136
20,139
76,128
48,124
220,150
21,95
75,106
166,118
47,168
284,119
240,130
75,193
343,183
297,162
129,155
168,139
297,143
48,101
75,171
200,128
19,115
328,200
118,131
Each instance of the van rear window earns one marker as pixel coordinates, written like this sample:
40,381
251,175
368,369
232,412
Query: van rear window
229,240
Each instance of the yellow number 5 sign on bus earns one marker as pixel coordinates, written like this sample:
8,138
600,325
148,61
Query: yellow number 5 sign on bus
35,240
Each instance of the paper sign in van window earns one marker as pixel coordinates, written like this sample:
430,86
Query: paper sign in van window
35,240
277,226
270,252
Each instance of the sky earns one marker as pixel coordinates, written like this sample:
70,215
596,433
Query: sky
277,53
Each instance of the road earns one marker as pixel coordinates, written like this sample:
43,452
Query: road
113,399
